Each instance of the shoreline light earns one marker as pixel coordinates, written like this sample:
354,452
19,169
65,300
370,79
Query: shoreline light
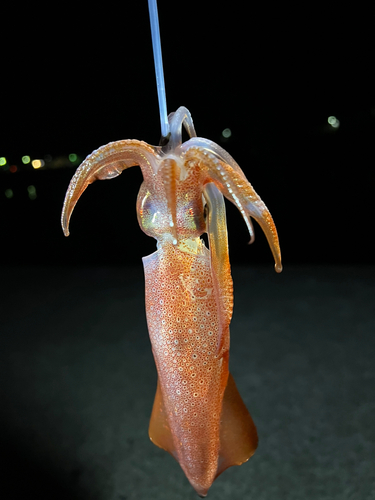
37,163
333,121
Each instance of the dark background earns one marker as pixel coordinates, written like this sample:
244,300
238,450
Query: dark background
76,369
72,82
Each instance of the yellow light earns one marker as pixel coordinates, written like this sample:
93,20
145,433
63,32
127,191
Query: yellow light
37,163
333,121
25,159
3,161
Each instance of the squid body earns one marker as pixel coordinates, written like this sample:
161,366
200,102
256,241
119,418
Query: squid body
198,415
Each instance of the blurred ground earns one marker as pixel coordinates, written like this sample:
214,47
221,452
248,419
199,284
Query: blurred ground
78,382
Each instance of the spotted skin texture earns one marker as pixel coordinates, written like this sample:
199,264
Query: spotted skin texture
183,326
198,414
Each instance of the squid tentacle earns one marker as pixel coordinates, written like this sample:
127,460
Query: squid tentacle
169,171
218,242
239,191
176,119
106,162
210,147
214,148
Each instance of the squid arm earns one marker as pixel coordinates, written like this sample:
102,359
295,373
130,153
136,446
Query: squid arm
107,162
218,243
237,189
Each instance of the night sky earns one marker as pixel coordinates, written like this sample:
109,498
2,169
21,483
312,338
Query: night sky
73,82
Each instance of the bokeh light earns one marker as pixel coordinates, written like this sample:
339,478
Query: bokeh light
333,121
26,159
37,163
32,192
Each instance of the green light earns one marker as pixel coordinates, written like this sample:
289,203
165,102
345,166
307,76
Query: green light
25,159
9,193
32,192
3,161
333,121
226,133
73,157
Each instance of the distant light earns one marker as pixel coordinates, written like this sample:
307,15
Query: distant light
73,157
226,133
25,159
37,163
32,192
47,158
3,161
9,193
13,168
333,121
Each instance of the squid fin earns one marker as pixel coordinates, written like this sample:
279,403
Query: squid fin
238,434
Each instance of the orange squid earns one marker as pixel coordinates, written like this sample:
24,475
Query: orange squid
198,414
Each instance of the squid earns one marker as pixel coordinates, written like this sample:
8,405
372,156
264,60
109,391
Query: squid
198,415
